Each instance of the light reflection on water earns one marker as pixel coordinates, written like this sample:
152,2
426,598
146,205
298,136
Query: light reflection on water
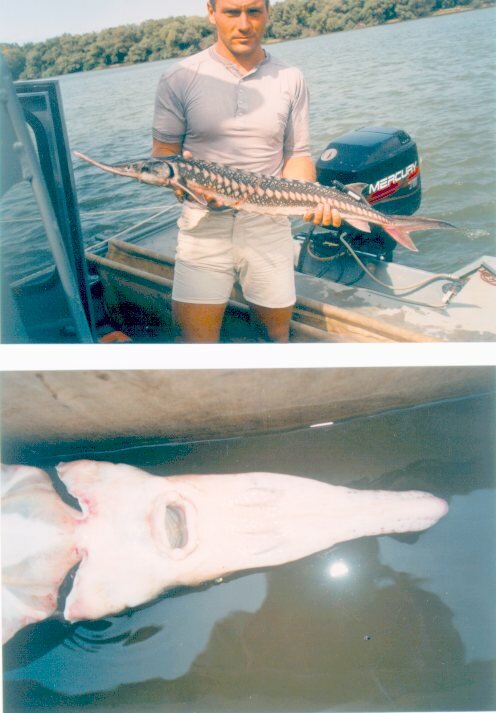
409,624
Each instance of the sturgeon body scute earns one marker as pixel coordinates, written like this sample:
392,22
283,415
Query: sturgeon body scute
264,194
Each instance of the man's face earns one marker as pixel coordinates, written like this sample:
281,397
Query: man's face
240,24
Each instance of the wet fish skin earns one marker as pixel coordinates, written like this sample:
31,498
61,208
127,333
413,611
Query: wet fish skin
264,194
38,548
137,535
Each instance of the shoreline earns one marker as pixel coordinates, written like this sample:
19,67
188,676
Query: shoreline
272,41
437,13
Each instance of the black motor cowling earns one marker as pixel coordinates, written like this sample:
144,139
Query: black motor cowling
385,159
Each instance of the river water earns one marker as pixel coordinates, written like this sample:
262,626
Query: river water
432,77
409,625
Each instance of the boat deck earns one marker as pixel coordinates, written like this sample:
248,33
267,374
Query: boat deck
140,272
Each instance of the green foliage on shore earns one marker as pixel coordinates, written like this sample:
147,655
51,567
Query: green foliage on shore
179,36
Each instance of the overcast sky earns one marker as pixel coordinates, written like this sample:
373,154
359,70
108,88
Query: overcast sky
35,20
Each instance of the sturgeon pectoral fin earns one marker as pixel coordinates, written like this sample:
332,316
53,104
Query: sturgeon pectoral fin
37,546
197,198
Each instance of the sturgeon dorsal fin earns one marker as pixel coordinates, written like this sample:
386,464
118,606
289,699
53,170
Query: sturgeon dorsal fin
358,189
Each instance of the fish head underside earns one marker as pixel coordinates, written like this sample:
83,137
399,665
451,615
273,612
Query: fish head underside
138,535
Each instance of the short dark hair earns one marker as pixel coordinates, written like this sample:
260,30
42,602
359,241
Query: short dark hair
212,3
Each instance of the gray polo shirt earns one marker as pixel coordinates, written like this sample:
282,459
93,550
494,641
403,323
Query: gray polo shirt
253,121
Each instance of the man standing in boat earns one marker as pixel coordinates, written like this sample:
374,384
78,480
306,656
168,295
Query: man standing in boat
235,104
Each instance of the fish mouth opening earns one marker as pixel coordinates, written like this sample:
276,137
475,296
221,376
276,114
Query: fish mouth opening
176,528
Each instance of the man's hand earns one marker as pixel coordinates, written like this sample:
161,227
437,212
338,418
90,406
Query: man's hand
324,215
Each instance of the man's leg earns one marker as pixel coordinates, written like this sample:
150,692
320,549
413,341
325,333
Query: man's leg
265,264
203,275
197,323
271,324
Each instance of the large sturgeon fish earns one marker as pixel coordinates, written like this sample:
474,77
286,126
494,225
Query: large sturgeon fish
138,535
258,193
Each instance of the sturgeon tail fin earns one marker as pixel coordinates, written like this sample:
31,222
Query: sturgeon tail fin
404,225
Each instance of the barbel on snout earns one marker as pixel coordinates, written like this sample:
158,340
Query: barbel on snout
257,193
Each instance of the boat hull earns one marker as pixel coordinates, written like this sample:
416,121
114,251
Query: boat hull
137,284
81,409
137,288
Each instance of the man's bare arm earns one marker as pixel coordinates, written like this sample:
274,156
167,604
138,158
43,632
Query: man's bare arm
302,168
161,149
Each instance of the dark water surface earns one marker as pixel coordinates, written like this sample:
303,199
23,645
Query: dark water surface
432,77
409,625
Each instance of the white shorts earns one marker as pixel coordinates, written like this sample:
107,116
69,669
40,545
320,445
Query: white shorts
214,249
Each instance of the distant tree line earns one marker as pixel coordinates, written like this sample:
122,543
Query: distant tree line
178,36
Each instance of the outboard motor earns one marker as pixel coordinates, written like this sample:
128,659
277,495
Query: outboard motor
387,161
